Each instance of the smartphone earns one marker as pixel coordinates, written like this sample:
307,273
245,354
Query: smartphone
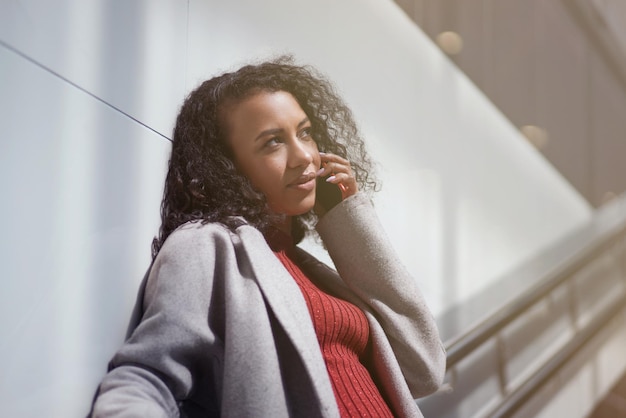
327,194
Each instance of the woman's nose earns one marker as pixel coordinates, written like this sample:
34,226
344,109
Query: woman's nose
300,154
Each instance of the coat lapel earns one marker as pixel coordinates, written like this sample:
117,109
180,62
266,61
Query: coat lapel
285,300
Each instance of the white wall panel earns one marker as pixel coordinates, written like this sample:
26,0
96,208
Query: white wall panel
131,54
81,186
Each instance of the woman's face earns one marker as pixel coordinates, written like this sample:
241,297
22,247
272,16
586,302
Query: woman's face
270,136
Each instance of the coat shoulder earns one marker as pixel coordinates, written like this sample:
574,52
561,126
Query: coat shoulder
196,236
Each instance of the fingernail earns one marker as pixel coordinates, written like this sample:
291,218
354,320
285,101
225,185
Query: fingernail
331,178
321,153
320,171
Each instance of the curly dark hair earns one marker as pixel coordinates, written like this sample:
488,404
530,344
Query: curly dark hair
203,183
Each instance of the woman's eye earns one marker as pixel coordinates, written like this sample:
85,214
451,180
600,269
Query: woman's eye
305,133
273,141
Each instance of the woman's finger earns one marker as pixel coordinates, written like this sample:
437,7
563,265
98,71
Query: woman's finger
326,157
339,172
333,164
346,182
334,168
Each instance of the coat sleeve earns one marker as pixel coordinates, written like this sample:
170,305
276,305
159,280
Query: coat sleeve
367,263
173,344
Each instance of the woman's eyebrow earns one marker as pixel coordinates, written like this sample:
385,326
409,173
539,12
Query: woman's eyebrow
303,121
279,130
268,132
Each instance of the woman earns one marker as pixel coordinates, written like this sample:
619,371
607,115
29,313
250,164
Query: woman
233,319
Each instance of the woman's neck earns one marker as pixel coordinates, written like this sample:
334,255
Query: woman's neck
284,226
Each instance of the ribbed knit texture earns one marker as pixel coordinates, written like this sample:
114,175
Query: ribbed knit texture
343,332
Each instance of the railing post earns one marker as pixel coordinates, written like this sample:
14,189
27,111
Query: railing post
501,364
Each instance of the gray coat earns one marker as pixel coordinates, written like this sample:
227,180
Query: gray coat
226,328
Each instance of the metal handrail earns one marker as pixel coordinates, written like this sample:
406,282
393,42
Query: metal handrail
516,399
460,347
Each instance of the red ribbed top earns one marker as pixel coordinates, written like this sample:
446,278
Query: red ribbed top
343,333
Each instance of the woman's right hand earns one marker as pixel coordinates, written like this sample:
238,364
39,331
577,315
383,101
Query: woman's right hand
338,185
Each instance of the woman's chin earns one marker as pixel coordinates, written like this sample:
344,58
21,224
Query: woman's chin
296,209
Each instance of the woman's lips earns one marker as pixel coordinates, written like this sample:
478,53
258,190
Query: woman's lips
306,182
